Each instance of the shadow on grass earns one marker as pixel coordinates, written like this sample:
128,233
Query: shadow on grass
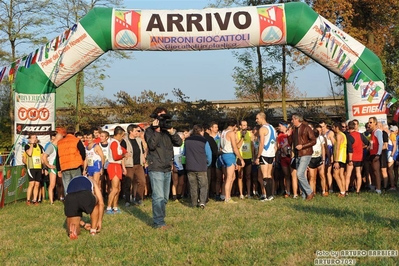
139,213
366,216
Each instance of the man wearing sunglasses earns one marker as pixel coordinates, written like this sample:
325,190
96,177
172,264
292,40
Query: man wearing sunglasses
134,165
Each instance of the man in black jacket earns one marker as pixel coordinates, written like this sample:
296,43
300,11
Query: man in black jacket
211,173
198,158
160,138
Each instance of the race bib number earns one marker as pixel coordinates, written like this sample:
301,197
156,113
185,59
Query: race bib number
36,162
90,162
245,147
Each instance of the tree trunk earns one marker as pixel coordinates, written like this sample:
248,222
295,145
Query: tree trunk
79,79
283,91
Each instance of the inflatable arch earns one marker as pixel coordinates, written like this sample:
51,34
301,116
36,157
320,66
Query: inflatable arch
39,74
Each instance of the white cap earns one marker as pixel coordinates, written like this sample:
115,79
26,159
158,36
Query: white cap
393,128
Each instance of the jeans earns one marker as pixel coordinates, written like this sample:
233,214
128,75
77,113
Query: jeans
198,181
301,166
68,175
160,184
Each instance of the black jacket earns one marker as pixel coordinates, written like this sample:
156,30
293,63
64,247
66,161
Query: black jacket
214,148
160,149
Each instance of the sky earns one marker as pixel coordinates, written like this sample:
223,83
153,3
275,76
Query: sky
198,74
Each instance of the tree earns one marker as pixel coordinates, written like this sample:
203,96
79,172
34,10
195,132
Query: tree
5,122
137,108
20,24
247,79
91,114
189,113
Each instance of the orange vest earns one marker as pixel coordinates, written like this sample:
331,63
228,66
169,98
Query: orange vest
68,153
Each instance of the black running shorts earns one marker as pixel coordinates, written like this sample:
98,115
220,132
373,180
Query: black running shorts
78,202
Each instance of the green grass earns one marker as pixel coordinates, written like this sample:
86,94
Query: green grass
281,232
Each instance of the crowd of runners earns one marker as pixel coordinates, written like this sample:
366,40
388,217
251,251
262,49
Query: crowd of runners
292,159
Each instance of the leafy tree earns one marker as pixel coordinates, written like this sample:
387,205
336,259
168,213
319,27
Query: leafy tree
5,122
189,113
91,114
390,61
247,79
137,108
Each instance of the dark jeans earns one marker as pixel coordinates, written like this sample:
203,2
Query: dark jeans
198,183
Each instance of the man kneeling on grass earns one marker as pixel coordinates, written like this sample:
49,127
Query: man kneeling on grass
83,195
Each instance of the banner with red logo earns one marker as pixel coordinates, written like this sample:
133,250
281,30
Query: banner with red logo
34,114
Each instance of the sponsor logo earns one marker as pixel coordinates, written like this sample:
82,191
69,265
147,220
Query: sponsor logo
21,181
200,22
7,183
366,109
33,114
43,129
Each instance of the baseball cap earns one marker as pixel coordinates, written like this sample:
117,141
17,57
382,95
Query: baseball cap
393,128
61,130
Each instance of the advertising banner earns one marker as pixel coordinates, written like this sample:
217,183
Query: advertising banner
366,99
34,114
10,184
207,29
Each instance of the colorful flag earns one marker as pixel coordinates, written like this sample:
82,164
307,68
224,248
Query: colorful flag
343,69
369,86
391,102
359,78
13,70
396,115
384,97
46,50
34,57
326,29
335,49
2,72
28,60
40,59
66,35
342,60
339,55
348,73
74,27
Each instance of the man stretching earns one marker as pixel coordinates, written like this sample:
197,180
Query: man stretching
83,195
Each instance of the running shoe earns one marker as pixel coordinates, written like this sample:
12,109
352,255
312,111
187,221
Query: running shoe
262,198
230,201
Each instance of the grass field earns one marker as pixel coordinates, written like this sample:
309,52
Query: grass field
281,232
